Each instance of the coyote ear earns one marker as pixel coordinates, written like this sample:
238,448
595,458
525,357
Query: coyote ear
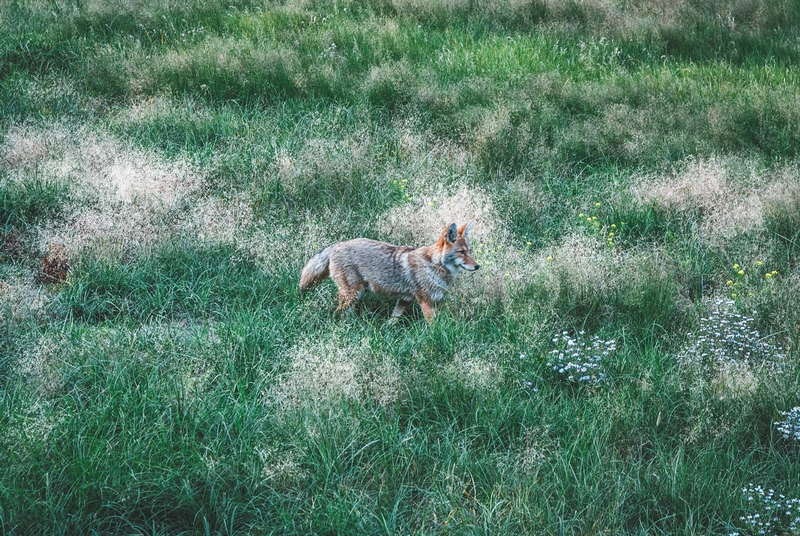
451,234
465,229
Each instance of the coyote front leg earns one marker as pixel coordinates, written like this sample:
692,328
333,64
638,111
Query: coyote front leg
399,309
427,306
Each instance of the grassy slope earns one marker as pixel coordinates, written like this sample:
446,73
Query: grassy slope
184,161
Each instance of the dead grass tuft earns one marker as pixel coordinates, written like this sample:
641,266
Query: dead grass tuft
734,381
432,208
580,269
781,202
20,300
528,452
480,374
25,146
124,197
40,365
700,185
584,278
225,221
725,197
281,469
332,370
273,244
333,159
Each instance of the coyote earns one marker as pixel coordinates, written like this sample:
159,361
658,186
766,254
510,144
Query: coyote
407,273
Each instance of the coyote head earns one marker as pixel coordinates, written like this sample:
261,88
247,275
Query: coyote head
456,251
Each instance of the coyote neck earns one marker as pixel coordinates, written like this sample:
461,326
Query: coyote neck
433,256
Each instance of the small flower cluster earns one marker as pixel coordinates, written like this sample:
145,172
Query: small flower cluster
610,230
191,33
729,338
329,52
747,281
400,188
790,428
774,513
489,253
578,360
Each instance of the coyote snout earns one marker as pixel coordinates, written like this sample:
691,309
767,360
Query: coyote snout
421,274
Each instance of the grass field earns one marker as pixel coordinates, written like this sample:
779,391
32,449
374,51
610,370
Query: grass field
625,361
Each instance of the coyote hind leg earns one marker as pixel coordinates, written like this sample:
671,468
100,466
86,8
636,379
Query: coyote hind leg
347,297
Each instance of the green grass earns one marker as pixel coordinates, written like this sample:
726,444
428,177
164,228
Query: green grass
627,165
23,203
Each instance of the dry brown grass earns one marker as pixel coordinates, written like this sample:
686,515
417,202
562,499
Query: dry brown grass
124,197
584,278
581,265
55,266
21,300
476,370
725,196
332,370
781,204
324,160
434,207
734,381
40,366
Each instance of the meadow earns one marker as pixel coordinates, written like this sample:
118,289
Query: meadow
624,362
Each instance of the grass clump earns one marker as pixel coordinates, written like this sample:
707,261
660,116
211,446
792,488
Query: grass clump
28,201
174,280
167,169
781,218
25,203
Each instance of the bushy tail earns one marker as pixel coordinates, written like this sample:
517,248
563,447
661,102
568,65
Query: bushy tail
315,270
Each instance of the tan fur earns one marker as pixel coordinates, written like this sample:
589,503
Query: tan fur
407,273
